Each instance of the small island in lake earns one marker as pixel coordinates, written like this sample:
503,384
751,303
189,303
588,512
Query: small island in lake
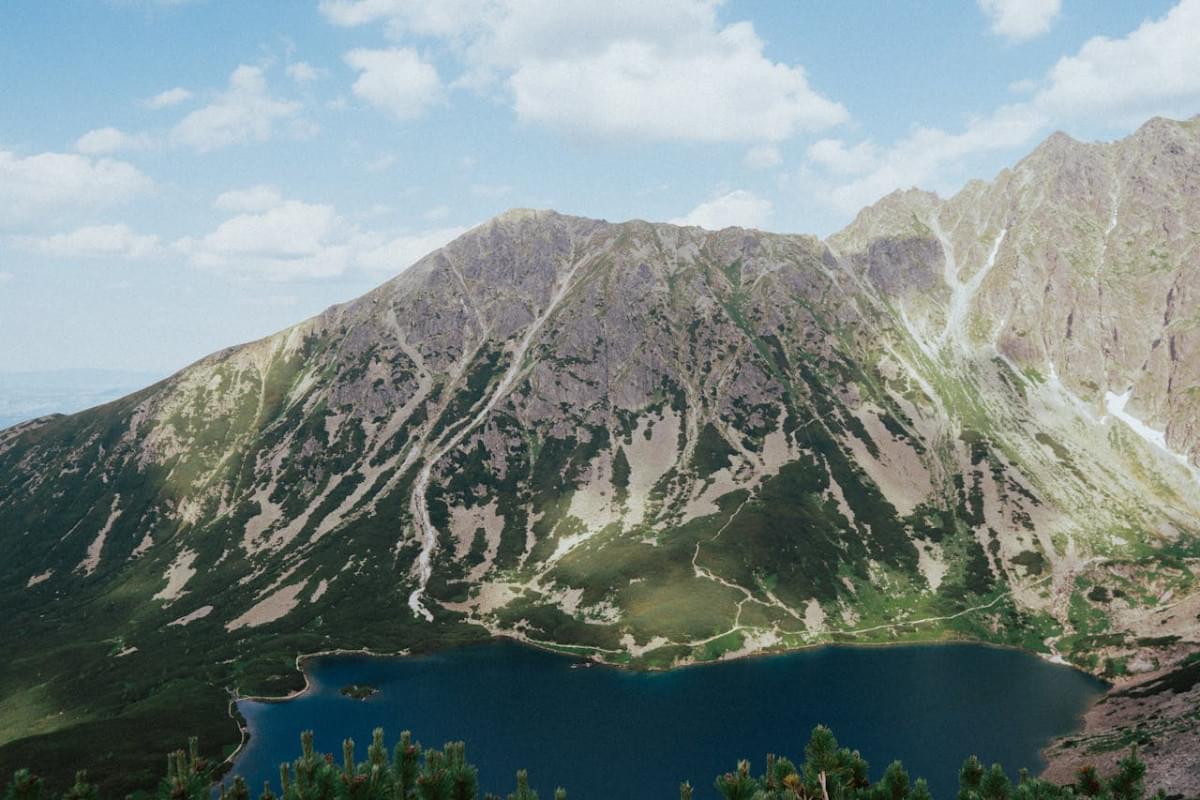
359,691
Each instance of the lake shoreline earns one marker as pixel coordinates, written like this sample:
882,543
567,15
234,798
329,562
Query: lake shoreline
302,661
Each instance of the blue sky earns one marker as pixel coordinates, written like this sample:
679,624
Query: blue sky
181,175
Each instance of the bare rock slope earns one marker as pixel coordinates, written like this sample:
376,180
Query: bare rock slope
654,445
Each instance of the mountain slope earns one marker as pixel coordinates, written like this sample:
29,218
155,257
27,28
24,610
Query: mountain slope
651,445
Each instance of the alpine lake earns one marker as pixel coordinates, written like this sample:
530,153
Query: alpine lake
604,733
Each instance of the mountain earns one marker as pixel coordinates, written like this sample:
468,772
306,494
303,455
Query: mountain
651,445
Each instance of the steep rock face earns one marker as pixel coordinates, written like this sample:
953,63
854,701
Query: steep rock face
653,445
1081,263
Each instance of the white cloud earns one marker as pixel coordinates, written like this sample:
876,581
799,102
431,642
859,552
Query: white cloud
244,112
738,208
293,240
666,70
512,33
717,87
167,99
102,141
1020,20
421,17
396,81
399,253
926,158
37,186
5,277
436,213
379,210
94,241
1109,84
303,72
835,156
1153,70
763,156
255,198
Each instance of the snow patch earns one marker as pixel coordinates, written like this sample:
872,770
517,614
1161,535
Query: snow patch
1115,404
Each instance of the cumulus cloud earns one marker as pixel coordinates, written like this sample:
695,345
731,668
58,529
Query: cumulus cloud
401,252
255,198
711,84
446,18
1109,84
397,81
167,99
667,70
94,241
288,240
302,72
1153,70
243,112
738,208
103,141
835,156
1020,20
635,89
925,158
763,156
33,187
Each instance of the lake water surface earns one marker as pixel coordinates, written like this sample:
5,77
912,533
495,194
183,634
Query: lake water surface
605,733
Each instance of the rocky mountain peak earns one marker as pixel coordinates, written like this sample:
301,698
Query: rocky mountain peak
655,444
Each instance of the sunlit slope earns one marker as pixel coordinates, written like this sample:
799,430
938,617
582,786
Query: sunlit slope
653,445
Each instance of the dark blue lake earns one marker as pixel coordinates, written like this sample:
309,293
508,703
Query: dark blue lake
605,733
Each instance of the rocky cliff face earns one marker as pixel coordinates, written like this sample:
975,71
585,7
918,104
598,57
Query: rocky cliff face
653,445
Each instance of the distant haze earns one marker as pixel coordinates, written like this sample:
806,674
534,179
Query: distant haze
26,395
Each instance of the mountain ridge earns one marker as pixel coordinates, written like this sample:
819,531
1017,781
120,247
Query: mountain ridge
654,445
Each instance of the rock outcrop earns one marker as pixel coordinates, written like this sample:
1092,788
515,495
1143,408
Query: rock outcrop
653,444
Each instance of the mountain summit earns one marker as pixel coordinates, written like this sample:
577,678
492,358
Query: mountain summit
651,445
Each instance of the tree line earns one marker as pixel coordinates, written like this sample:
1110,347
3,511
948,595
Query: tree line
410,772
